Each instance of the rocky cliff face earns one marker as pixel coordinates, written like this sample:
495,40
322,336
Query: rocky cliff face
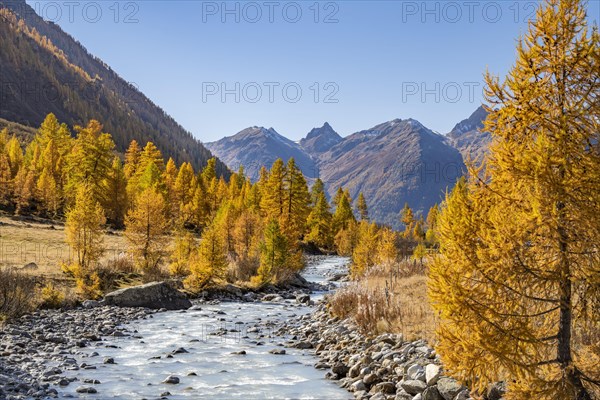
468,138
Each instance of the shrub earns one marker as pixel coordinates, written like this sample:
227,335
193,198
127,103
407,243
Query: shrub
51,297
16,293
89,286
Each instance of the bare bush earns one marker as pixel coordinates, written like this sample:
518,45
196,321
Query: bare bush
388,302
16,293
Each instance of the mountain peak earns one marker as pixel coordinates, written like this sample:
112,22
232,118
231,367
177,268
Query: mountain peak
258,146
320,140
467,136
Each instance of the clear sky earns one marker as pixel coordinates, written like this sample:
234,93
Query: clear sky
219,67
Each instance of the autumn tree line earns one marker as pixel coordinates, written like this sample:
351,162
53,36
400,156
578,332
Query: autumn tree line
195,223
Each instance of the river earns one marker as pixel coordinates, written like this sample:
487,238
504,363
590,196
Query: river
207,367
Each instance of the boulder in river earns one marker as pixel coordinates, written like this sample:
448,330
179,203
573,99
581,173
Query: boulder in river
155,295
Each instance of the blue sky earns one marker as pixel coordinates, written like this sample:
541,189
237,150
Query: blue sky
218,67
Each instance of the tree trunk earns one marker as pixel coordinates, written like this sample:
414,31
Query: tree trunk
564,352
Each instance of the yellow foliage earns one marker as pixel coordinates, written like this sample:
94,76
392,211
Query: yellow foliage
517,284
51,297
146,230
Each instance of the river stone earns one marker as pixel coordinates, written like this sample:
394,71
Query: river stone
496,391
431,393
449,388
86,389
402,395
303,298
358,386
340,369
384,387
155,295
370,379
277,351
416,372
432,374
414,386
298,281
171,380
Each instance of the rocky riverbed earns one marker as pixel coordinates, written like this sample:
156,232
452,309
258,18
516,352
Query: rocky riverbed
38,348
385,367
257,345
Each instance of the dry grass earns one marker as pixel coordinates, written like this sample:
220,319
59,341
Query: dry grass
390,299
43,243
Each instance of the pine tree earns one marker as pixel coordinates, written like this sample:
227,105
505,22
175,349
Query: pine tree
516,284
337,197
146,230
346,239
361,205
169,178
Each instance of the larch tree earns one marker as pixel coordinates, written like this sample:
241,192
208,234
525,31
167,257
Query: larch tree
209,261
274,255
84,234
15,155
183,247
132,159
116,190
146,230
364,255
319,224
407,218
6,179
517,284
315,191
273,191
89,161
431,220
296,203
361,206
343,213
387,248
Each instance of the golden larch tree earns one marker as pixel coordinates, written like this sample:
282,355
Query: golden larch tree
146,230
517,284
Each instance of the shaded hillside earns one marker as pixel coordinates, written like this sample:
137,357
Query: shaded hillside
23,132
256,147
393,163
468,138
43,70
